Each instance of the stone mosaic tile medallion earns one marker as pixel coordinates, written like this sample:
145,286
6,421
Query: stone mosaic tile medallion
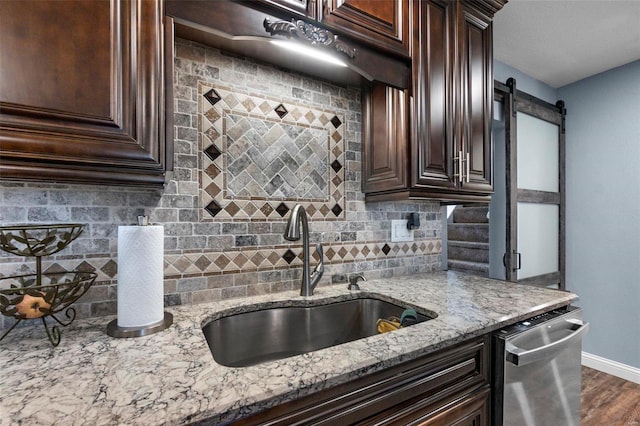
261,156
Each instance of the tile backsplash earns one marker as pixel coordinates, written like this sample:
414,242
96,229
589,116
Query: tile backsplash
224,221
259,156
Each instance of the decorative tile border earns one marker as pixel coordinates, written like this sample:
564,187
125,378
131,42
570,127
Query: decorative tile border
285,257
230,123
254,259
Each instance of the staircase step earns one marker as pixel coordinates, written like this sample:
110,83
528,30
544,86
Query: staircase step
477,232
471,215
468,251
475,268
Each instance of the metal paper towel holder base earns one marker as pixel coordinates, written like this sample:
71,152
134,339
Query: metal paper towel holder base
114,330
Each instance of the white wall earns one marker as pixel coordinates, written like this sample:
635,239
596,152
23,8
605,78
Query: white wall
603,209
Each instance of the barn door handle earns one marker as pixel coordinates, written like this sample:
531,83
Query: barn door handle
518,260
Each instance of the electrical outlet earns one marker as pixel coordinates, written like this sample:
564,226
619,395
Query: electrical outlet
399,231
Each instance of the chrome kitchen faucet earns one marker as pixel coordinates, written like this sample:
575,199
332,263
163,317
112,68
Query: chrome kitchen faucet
297,219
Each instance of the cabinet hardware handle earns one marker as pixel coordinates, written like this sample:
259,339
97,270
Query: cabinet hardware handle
460,173
312,9
468,167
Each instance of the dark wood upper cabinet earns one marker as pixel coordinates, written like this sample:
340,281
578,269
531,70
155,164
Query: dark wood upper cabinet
475,49
384,134
304,8
448,150
82,91
433,112
238,26
383,24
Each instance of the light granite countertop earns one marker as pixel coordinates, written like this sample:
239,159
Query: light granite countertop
171,378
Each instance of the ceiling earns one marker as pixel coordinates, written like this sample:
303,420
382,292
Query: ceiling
559,42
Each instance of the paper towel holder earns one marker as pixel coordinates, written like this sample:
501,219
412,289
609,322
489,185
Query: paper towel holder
114,330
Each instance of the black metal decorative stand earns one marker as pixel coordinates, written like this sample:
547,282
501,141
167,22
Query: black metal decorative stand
41,295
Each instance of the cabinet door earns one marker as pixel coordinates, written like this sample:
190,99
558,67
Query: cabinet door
383,24
81,93
384,136
301,7
442,385
471,411
475,98
432,113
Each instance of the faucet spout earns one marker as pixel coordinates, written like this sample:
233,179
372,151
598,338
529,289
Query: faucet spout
298,219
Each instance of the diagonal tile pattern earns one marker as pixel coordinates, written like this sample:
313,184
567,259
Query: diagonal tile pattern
275,160
257,153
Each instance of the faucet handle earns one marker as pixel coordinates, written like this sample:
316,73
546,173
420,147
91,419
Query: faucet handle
353,282
320,266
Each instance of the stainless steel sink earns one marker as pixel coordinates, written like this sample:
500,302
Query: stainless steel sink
258,336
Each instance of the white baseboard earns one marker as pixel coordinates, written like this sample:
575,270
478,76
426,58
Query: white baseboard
614,368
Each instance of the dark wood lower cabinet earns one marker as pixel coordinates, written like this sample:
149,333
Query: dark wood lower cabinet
470,411
448,387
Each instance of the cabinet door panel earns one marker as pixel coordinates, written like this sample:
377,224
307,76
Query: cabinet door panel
476,94
385,138
383,24
439,385
301,7
28,48
472,411
432,143
81,92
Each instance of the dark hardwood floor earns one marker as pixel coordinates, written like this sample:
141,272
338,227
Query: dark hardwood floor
608,400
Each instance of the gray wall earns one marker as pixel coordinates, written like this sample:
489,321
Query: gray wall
502,72
498,205
603,208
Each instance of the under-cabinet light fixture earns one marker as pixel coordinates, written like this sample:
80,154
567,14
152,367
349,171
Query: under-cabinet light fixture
308,51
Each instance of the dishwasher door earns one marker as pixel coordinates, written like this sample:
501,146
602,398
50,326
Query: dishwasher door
537,371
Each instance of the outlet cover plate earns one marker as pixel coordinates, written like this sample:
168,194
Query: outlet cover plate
399,231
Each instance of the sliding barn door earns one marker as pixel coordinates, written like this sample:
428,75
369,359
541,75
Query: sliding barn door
534,189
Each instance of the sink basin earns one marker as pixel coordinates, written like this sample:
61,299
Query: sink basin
258,336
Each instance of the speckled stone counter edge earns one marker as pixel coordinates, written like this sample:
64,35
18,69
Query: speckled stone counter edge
171,377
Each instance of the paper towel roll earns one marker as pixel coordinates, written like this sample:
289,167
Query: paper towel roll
140,275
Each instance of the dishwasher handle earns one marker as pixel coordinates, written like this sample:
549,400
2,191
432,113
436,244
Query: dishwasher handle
519,356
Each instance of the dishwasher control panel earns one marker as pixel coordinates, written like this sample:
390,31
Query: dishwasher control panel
534,321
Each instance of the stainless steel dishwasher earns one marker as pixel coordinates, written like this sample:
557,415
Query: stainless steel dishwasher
537,370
